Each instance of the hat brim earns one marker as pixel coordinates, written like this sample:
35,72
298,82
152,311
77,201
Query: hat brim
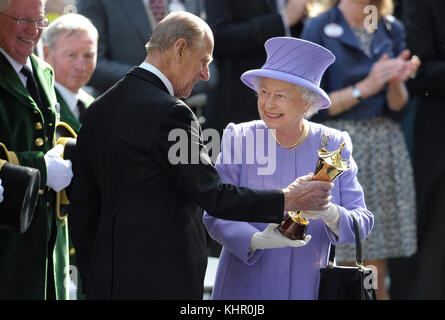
249,77
21,194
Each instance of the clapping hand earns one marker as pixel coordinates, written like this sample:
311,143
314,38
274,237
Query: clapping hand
389,70
408,67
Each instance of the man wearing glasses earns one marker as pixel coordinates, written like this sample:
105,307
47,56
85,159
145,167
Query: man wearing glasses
33,264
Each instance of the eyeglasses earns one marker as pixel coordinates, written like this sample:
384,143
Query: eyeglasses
40,23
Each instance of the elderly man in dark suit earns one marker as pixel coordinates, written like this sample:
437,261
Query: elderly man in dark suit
137,217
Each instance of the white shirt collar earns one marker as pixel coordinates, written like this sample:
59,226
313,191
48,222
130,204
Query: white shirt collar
17,66
69,97
149,67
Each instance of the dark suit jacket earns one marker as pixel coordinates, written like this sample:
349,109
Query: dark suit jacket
240,29
136,219
425,27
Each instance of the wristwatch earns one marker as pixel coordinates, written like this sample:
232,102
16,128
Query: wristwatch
356,93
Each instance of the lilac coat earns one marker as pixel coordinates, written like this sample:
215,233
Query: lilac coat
287,273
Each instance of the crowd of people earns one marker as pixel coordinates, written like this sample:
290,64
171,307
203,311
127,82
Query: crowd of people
281,80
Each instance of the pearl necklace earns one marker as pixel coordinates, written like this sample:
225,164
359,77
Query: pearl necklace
299,141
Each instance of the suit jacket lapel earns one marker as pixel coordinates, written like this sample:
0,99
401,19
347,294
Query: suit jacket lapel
44,78
382,41
135,11
12,83
348,38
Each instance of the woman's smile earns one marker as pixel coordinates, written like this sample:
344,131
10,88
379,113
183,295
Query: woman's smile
273,116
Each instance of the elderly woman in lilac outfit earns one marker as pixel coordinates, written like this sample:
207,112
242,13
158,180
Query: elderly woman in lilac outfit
257,261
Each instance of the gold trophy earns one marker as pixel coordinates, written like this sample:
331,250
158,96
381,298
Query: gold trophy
330,165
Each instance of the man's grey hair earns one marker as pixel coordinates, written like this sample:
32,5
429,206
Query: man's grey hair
5,4
175,26
70,23
310,97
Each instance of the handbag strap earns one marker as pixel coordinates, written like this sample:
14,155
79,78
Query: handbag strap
358,245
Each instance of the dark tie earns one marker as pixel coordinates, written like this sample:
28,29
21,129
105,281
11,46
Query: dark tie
31,85
82,109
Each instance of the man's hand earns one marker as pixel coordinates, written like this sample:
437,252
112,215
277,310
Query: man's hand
294,11
308,195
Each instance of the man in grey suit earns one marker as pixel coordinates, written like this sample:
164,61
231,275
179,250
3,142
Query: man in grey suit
124,28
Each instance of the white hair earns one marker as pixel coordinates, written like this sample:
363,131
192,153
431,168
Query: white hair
313,99
177,25
70,22
310,97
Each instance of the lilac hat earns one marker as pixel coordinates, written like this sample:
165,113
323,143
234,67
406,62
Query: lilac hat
296,61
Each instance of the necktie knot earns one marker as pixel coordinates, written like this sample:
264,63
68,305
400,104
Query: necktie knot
26,72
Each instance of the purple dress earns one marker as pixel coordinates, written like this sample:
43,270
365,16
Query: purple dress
287,273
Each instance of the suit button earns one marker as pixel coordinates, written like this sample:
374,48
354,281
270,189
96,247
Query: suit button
38,126
39,142
36,112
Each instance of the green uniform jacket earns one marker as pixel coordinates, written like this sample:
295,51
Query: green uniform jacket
65,113
32,265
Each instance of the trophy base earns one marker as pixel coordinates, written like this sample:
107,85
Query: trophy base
292,229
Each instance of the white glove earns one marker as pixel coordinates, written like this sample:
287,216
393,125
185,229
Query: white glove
271,238
58,171
330,216
1,191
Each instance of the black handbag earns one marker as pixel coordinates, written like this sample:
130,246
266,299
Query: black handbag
347,283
